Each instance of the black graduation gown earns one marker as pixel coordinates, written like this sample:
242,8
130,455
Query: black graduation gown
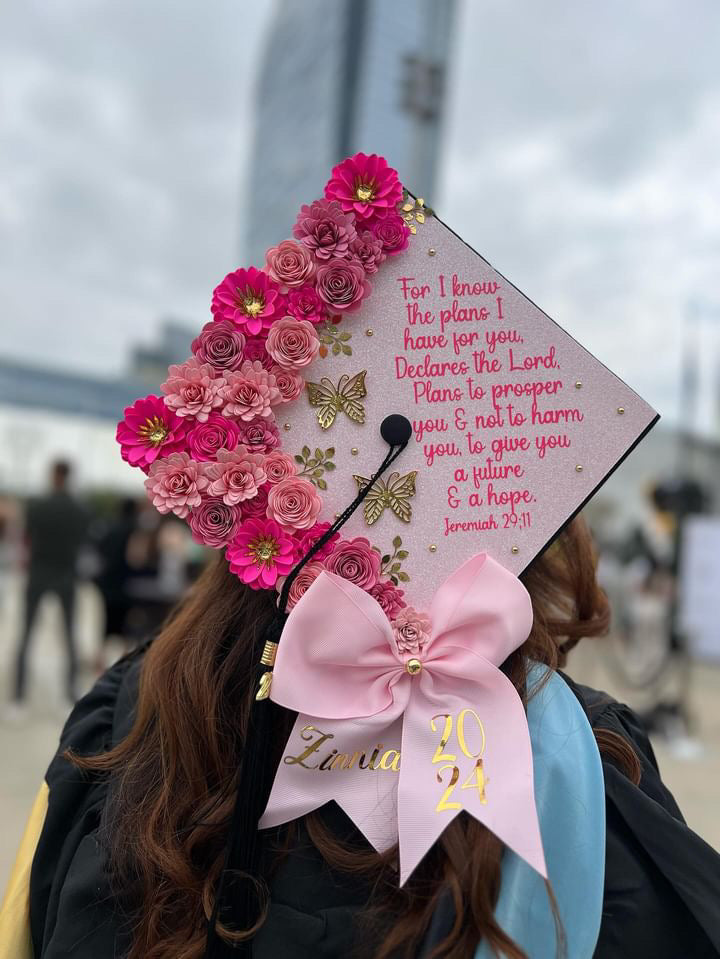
662,882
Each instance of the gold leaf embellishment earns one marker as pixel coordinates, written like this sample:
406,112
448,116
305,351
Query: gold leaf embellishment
395,494
414,209
334,341
330,400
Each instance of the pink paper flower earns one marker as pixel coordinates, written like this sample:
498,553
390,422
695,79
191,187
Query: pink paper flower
412,630
342,284
175,484
356,561
365,185
306,540
302,582
249,392
206,439
220,344
260,552
389,597
256,508
368,249
292,343
214,523
249,298
149,431
289,382
236,476
255,350
305,304
294,503
323,228
393,232
259,435
279,466
290,264
192,389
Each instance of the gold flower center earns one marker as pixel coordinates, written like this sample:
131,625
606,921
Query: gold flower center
251,303
364,191
153,430
413,666
263,549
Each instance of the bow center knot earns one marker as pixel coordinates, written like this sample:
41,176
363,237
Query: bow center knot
413,666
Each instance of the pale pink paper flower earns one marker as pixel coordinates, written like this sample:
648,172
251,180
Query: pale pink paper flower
305,304
216,433
236,476
293,344
393,232
325,229
259,435
290,383
356,561
290,264
411,630
249,392
342,284
150,431
175,484
279,466
220,344
294,503
261,552
213,523
389,597
192,389
365,185
302,582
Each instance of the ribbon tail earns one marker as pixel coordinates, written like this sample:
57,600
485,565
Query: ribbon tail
466,746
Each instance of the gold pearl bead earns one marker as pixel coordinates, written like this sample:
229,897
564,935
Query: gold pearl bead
578,384
369,332
354,451
413,666
578,468
433,548
431,251
514,550
621,410
286,426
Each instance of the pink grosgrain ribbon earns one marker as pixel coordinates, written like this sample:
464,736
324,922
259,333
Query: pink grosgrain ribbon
458,722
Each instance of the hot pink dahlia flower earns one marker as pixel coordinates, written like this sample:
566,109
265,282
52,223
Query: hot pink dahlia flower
261,552
249,298
149,431
365,186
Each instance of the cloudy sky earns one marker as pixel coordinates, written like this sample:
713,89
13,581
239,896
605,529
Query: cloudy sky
581,156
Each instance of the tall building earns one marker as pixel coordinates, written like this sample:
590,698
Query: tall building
339,76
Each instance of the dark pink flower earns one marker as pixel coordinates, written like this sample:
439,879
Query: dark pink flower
393,232
236,476
368,249
249,392
249,298
389,597
305,304
192,389
260,552
294,503
411,630
356,561
365,185
289,382
220,344
323,228
214,523
175,484
292,343
302,582
217,433
306,540
256,508
279,466
342,284
259,435
149,431
290,264
255,351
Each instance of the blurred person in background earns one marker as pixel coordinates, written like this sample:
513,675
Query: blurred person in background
55,530
112,580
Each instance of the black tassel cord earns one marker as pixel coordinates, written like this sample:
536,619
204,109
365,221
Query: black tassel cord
240,890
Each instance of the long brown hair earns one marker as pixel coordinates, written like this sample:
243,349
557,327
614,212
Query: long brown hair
173,776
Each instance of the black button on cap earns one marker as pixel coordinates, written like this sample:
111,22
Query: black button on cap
396,430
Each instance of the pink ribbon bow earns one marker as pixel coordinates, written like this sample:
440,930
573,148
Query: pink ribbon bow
405,741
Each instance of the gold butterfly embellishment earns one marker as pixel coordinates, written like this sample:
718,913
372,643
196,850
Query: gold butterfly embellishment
343,398
394,494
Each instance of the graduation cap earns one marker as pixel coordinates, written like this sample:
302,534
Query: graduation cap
384,430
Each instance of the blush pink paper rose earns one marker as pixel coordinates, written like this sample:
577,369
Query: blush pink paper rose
192,389
411,630
365,185
220,344
292,343
302,582
175,484
356,561
279,466
206,439
248,298
149,431
294,503
261,552
213,523
325,229
236,476
290,264
290,383
342,284
249,392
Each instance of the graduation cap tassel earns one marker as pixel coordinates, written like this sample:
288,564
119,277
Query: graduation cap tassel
239,894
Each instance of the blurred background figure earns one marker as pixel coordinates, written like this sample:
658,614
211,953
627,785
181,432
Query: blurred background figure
55,530
112,549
